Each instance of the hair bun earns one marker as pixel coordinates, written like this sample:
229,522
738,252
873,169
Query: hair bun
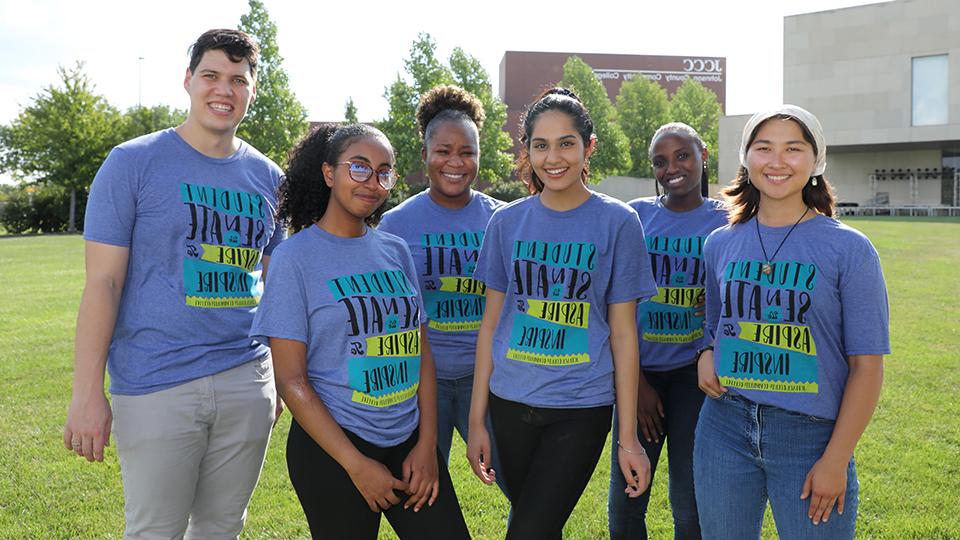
449,97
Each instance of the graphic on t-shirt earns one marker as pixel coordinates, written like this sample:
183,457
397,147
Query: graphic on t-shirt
226,234
764,337
383,328
551,281
677,263
454,300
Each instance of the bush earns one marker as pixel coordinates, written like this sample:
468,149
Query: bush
46,210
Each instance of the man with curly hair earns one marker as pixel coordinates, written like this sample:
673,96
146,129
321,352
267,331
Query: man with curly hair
179,229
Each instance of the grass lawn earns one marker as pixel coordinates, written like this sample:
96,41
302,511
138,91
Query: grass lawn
908,460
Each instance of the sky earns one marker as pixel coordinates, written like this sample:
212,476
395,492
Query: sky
136,51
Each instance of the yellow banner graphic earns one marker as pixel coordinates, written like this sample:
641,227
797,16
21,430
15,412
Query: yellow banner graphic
462,285
576,314
548,359
405,343
385,400
454,326
225,302
791,337
677,296
246,258
770,386
673,338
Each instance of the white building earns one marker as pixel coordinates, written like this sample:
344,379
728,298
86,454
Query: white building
884,80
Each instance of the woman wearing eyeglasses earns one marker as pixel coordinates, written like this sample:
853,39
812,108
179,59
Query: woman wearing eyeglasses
343,319
443,227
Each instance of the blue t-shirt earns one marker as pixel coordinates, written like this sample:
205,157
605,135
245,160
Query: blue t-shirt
784,339
197,228
445,244
354,302
670,333
559,272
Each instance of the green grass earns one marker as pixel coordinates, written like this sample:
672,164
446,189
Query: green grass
908,460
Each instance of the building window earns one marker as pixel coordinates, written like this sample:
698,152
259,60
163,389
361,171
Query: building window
930,85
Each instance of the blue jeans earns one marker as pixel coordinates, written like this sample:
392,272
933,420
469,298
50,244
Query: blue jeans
681,400
747,454
453,412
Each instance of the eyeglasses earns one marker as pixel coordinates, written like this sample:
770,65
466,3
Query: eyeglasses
361,172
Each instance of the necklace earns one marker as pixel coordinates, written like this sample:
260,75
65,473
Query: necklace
768,261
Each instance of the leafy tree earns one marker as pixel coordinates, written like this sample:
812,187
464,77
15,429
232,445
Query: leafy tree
143,120
495,158
696,105
612,156
425,72
276,119
62,137
400,125
350,112
642,106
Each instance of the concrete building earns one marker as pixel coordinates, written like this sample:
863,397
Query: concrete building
884,80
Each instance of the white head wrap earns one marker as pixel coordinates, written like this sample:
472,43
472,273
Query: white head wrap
805,117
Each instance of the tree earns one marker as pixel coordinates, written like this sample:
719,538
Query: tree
425,72
62,137
143,120
400,125
276,119
696,105
350,112
642,106
495,158
612,156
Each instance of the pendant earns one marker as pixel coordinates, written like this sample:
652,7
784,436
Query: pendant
766,268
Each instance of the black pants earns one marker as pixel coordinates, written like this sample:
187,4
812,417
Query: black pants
548,456
335,509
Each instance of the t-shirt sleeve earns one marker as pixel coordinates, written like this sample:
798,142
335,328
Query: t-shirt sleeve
279,235
490,267
864,306
112,205
631,277
409,269
282,312
711,290
387,224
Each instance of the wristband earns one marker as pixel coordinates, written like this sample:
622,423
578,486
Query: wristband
629,451
702,350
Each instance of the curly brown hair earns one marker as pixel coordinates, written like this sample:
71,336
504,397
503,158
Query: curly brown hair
448,102
303,194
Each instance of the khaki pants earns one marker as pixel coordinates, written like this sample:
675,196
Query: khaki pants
190,456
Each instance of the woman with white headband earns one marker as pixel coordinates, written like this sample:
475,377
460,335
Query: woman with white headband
797,307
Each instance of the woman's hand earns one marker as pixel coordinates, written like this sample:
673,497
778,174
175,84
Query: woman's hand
700,308
649,412
377,485
420,471
635,467
707,376
478,453
826,485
